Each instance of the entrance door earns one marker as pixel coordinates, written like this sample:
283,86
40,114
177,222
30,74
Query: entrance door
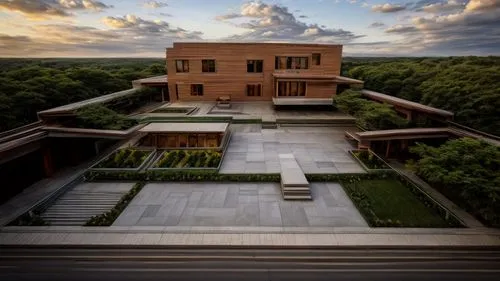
291,88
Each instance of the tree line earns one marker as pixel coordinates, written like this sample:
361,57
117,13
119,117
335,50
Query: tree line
31,85
467,86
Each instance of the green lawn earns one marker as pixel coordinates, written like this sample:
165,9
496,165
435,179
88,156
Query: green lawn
382,200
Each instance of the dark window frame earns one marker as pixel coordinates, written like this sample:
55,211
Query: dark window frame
291,62
255,89
197,89
208,66
316,59
255,66
184,66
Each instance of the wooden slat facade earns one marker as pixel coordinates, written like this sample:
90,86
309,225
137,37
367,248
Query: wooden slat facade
231,77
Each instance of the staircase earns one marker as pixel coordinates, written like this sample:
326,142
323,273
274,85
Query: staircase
294,185
78,205
269,122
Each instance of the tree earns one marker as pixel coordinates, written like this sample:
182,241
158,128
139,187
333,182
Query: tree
468,170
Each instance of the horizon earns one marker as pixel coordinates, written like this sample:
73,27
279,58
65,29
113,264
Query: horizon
144,28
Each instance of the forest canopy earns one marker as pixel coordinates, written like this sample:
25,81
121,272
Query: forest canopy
467,86
31,85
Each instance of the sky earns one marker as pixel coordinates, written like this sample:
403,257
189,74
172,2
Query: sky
144,28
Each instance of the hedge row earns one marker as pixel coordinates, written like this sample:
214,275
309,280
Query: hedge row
179,176
110,216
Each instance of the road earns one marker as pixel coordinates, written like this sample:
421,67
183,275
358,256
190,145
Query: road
218,263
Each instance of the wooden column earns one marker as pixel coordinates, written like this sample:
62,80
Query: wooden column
388,149
48,164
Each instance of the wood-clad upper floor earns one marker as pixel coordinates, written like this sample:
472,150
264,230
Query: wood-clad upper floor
244,71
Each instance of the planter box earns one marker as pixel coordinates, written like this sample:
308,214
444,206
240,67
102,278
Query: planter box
352,153
146,161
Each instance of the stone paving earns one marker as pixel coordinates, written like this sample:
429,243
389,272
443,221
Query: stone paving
238,204
316,149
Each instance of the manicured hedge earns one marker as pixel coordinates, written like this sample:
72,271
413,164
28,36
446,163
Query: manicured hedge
189,159
196,175
110,216
125,158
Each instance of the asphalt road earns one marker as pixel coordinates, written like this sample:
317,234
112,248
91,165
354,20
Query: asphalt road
222,264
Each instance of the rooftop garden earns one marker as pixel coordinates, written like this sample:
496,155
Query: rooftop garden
100,117
465,170
125,158
189,159
369,115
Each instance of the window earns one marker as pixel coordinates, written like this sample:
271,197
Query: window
254,90
291,63
208,65
316,59
254,66
197,89
182,65
291,89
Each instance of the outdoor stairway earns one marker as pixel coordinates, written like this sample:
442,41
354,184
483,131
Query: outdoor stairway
78,205
294,185
269,122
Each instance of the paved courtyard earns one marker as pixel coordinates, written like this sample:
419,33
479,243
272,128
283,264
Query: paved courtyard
316,149
238,204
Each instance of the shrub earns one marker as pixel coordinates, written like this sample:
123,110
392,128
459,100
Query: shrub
29,219
370,160
125,158
110,216
100,117
189,159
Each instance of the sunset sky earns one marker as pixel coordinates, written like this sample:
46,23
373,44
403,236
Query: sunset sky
143,28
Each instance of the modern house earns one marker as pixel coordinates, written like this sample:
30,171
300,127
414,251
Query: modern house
279,72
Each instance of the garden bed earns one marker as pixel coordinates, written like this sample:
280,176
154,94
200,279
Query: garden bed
188,159
125,159
389,203
370,161
175,110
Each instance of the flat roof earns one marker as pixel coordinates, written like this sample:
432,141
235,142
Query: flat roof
76,105
156,80
185,128
334,78
402,132
257,43
406,103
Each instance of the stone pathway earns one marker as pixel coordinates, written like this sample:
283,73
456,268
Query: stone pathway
317,150
241,204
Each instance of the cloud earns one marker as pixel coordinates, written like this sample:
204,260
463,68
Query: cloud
166,15
401,29
155,4
388,8
45,9
440,7
128,35
377,24
303,16
277,23
482,5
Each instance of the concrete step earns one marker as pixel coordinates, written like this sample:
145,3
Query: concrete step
77,208
94,201
296,188
53,216
297,197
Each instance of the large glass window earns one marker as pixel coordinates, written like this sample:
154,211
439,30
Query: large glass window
291,88
291,63
316,59
182,65
208,65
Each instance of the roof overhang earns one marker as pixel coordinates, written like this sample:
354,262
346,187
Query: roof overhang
283,76
406,104
161,80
